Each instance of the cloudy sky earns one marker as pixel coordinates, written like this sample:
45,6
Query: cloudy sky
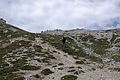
39,15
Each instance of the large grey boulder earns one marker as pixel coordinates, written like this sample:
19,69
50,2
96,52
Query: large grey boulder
2,21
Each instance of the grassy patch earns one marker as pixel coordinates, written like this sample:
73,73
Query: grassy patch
36,76
71,67
29,67
3,64
14,77
99,46
79,67
72,70
19,62
60,64
46,71
117,69
39,60
116,58
113,38
79,62
69,77
45,60
93,69
8,70
87,37
76,72
37,48
55,40
61,68
117,41
54,66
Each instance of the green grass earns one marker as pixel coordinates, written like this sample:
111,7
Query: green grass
29,67
8,70
69,77
60,64
93,69
87,37
116,58
117,69
37,48
55,40
14,77
79,67
39,60
5,70
71,67
61,68
36,76
117,41
72,70
76,73
15,45
80,62
46,71
45,60
54,66
3,63
99,46
113,38
18,64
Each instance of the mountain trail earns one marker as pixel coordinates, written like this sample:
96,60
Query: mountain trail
60,56
68,62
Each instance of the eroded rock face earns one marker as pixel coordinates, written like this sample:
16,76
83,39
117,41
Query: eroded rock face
2,21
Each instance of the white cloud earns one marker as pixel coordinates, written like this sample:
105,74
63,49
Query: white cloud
37,15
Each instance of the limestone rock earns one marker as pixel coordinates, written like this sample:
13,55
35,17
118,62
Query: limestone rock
2,21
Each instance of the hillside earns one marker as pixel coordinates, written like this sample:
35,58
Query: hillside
89,54
104,45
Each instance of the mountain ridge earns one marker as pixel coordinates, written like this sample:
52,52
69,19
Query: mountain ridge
41,56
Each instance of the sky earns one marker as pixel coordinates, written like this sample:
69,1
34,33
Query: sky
40,15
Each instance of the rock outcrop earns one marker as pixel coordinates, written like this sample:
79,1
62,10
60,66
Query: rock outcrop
2,21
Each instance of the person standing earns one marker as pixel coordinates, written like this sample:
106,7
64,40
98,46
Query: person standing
64,41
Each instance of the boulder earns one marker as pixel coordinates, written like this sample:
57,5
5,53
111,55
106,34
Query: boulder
2,21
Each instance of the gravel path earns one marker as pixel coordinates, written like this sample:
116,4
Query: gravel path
100,75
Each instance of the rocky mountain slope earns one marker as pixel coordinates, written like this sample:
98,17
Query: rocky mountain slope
89,54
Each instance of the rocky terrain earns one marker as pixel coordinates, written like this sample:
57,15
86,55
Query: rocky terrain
89,54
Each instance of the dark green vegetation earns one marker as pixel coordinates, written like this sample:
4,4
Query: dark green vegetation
8,32
80,62
69,77
72,70
75,44
14,77
116,58
61,68
46,71
60,64
93,69
16,46
99,46
28,67
78,72
36,76
55,40
117,69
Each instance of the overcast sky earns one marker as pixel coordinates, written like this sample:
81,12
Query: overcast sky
39,15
